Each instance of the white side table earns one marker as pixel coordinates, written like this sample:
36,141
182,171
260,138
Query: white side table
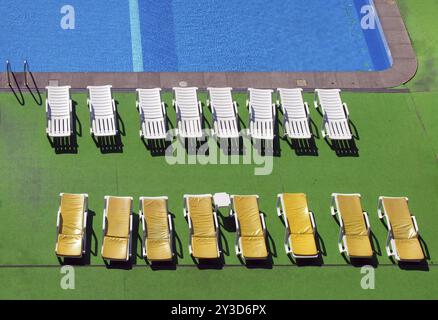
222,200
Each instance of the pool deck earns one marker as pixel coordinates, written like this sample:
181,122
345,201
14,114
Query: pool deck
403,69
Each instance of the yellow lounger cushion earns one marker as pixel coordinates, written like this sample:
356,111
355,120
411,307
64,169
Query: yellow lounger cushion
359,246
356,233
254,247
69,245
248,214
298,217
409,249
400,218
406,238
297,213
72,213
205,248
115,248
158,246
158,249
204,240
352,215
118,215
304,244
155,213
201,214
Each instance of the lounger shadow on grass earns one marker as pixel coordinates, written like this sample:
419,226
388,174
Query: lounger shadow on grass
267,148
205,123
120,123
304,147
135,236
259,263
210,264
228,222
223,244
272,248
109,144
156,147
343,148
231,146
195,146
91,245
64,145
375,244
307,262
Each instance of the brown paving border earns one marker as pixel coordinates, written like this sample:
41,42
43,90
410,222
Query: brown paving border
403,69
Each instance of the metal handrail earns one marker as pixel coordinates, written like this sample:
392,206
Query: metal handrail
8,71
25,70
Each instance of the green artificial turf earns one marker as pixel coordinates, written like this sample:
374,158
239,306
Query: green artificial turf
397,157
421,22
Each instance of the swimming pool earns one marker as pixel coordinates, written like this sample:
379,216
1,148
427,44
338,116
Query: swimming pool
191,36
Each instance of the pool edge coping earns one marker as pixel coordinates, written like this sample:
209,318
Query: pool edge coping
404,68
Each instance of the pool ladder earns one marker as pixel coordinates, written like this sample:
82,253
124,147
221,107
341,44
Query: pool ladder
8,71
33,90
25,71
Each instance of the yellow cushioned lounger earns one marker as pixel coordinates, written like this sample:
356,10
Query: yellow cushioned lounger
157,229
402,241
117,228
71,225
204,229
354,237
300,225
251,230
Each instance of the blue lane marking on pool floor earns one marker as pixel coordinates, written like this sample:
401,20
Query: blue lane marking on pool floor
137,50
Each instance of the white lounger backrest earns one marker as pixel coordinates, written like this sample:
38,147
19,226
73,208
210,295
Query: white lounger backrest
187,102
59,100
222,102
149,101
101,100
260,102
293,103
330,100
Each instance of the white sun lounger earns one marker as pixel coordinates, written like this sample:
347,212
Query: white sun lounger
188,112
152,114
224,111
102,111
296,116
59,112
261,114
335,114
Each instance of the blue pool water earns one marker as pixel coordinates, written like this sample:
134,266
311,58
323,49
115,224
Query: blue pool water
191,36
